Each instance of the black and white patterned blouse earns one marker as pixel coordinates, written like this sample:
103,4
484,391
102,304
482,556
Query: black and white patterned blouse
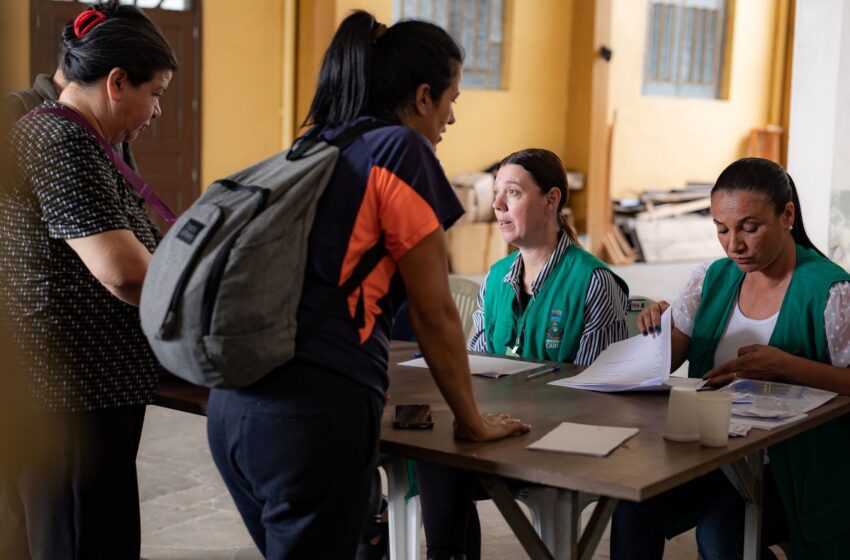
82,347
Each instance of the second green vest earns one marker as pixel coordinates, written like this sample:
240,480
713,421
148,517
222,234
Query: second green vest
550,327
811,468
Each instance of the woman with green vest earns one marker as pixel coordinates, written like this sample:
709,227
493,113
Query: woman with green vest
776,309
550,300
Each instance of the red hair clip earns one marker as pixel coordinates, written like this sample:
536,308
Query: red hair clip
86,21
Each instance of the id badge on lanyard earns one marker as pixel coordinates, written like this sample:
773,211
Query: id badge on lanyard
513,351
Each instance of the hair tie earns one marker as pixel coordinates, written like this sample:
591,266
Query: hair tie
86,21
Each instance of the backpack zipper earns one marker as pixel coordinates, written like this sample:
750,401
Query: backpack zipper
220,262
166,329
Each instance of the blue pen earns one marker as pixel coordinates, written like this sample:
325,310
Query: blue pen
537,374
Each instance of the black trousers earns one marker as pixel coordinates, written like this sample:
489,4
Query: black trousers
449,514
298,452
78,498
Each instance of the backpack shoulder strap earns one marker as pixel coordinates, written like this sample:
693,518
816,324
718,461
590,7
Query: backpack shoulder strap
338,298
28,100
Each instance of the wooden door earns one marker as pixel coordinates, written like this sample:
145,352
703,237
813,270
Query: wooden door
168,153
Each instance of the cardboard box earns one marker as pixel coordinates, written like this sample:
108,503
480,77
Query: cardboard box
474,247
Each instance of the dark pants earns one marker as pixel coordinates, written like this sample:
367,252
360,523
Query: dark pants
447,495
82,501
297,452
711,502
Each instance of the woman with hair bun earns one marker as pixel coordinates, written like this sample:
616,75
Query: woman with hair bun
775,309
298,449
75,242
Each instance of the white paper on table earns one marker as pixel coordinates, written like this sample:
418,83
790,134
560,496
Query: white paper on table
766,423
583,439
490,366
640,363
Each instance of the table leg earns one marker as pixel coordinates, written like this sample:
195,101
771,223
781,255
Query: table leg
519,524
599,519
567,541
747,475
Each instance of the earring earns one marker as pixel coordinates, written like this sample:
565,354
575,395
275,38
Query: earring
790,228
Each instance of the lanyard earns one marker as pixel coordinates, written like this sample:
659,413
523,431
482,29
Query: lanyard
137,182
514,351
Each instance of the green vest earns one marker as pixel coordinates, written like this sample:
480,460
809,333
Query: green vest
811,468
551,325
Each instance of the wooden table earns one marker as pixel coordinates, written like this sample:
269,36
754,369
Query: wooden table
645,466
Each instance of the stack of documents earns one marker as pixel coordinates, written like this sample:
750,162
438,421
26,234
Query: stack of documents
640,363
767,405
489,366
583,439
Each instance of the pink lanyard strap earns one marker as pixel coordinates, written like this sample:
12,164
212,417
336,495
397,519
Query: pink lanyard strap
144,190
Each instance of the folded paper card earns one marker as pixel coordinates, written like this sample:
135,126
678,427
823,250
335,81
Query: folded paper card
583,439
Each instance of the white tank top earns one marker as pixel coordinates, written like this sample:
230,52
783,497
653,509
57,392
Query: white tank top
742,331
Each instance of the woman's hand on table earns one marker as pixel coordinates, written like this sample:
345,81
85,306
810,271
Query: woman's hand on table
649,320
492,427
757,361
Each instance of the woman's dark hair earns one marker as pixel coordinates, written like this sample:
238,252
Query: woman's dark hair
546,169
373,70
762,176
125,38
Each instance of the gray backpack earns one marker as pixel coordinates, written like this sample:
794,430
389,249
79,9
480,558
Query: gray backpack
221,294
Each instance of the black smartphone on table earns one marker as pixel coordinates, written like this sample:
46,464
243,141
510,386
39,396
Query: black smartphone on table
413,417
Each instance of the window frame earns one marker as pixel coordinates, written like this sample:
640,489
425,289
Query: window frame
676,80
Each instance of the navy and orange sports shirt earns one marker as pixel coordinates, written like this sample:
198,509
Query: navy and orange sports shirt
387,182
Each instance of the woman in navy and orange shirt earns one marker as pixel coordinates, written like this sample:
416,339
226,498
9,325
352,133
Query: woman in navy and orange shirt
298,450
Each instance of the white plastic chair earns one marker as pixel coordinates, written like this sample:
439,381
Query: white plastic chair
465,294
542,504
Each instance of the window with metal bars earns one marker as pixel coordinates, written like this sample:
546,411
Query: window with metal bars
685,48
477,25
174,5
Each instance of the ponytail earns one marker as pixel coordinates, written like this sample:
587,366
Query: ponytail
342,92
798,231
370,69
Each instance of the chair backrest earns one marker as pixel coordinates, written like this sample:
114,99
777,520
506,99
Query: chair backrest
636,305
465,294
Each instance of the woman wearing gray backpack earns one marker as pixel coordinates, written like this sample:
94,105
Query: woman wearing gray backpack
298,449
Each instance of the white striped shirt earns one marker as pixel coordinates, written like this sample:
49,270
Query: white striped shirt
604,307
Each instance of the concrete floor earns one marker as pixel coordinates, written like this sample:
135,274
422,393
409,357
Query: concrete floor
187,513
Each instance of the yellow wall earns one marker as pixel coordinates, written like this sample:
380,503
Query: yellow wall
15,45
241,77
663,142
531,110
241,85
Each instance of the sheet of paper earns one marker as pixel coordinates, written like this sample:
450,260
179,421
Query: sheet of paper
488,366
583,439
773,396
766,423
638,363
